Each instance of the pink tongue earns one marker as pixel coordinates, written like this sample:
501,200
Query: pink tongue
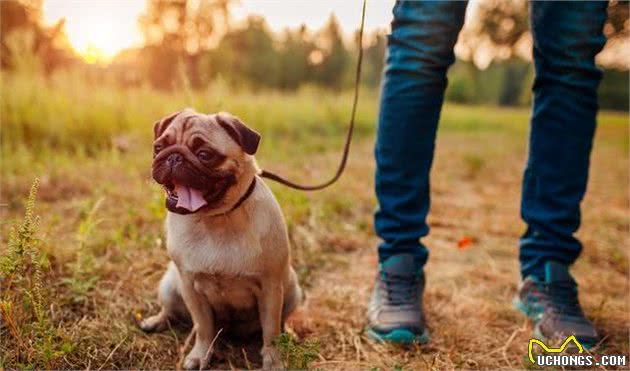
189,198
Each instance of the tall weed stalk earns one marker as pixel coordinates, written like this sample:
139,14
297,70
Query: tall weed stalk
24,300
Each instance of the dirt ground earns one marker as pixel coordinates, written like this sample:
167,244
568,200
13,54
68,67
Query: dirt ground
469,290
101,230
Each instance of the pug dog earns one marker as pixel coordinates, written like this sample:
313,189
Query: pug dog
225,234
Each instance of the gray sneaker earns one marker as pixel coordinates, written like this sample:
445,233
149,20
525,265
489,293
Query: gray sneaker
395,311
554,307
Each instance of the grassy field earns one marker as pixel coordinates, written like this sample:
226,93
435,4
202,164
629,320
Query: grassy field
84,262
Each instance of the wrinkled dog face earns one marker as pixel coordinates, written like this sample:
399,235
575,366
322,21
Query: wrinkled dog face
197,158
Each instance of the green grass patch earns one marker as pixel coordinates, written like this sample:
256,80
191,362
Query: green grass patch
296,355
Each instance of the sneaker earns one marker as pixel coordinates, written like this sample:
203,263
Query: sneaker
554,307
395,310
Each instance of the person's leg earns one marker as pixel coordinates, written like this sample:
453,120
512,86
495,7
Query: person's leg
419,52
567,36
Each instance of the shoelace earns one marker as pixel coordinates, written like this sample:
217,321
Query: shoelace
563,298
401,289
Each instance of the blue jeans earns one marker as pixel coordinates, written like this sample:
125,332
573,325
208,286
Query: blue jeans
567,36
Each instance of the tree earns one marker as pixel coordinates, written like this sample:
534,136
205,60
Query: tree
48,44
374,59
334,62
617,30
295,49
176,33
617,25
499,28
504,22
248,55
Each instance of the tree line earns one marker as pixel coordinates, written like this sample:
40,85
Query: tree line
199,43
194,43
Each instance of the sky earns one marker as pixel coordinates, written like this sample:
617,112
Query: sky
98,29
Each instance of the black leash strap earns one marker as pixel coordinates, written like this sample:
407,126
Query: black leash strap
346,148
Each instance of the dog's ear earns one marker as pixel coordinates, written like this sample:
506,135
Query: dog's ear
163,123
246,138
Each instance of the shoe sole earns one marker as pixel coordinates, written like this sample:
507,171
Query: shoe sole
535,317
400,336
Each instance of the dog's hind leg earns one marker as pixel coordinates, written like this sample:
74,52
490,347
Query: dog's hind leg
170,298
293,295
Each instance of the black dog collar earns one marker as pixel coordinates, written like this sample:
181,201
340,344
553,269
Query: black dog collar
244,197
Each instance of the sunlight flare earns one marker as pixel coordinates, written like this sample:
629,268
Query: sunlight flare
98,30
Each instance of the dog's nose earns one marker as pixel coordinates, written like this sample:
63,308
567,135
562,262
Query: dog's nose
174,159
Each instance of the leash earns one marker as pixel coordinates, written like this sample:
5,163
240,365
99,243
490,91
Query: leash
346,149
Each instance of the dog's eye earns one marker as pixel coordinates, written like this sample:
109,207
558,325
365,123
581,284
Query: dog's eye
157,148
204,155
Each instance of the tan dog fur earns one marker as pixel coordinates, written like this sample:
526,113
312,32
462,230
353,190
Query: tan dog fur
229,269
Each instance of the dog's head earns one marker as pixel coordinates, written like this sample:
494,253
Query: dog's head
199,158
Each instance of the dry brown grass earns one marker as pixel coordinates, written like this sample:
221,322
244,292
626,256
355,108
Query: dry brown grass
105,260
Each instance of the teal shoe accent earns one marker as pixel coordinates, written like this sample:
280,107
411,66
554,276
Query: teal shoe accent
531,312
400,336
552,304
395,309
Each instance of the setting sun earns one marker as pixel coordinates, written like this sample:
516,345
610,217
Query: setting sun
98,30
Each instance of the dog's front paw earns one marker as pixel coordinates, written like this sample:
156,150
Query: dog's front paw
271,359
156,323
191,363
198,358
